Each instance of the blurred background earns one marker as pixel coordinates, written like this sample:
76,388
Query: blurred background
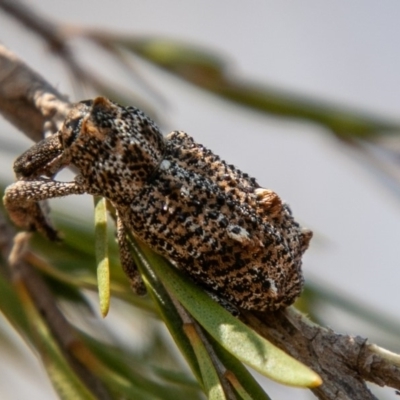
341,183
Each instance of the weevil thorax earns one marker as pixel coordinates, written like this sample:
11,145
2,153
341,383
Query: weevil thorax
117,149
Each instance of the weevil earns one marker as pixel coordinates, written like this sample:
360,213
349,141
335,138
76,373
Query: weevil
235,239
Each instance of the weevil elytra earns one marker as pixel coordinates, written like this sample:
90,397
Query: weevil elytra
235,239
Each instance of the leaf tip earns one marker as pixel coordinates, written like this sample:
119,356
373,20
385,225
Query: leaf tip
316,381
104,311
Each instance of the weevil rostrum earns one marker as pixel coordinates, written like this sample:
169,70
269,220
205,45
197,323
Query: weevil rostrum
235,239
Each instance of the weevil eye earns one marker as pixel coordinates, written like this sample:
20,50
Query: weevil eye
88,103
70,131
72,124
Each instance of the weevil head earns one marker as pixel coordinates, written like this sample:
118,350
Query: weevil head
116,148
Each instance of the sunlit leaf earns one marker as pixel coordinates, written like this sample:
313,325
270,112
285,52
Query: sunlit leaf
101,245
230,332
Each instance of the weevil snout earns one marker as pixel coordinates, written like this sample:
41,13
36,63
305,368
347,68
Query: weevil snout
43,158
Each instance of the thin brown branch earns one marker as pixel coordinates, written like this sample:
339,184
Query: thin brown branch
379,365
51,34
27,100
34,21
343,362
57,38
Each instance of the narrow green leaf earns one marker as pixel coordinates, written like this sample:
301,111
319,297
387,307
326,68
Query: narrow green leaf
65,382
231,333
72,261
177,56
239,377
176,378
167,310
101,244
124,388
212,384
11,308
130,367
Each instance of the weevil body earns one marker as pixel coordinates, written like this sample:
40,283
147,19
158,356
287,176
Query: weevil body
232,237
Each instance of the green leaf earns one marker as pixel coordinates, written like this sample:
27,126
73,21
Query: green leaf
176,56
127,366
11,307
238,375
212,384
167,310
231,333
103,267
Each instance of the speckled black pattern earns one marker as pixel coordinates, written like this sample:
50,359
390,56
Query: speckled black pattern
211,220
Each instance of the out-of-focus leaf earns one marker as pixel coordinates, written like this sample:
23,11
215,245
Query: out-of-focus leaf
63,378
64,290
124,375
315,293
11,307
185,60
176,377
210,72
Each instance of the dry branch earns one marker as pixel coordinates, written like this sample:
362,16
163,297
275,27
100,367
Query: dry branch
344,362
27,100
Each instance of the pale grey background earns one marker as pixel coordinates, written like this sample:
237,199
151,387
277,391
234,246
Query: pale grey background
342,51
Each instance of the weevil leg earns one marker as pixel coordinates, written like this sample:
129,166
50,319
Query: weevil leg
127,262
26,203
